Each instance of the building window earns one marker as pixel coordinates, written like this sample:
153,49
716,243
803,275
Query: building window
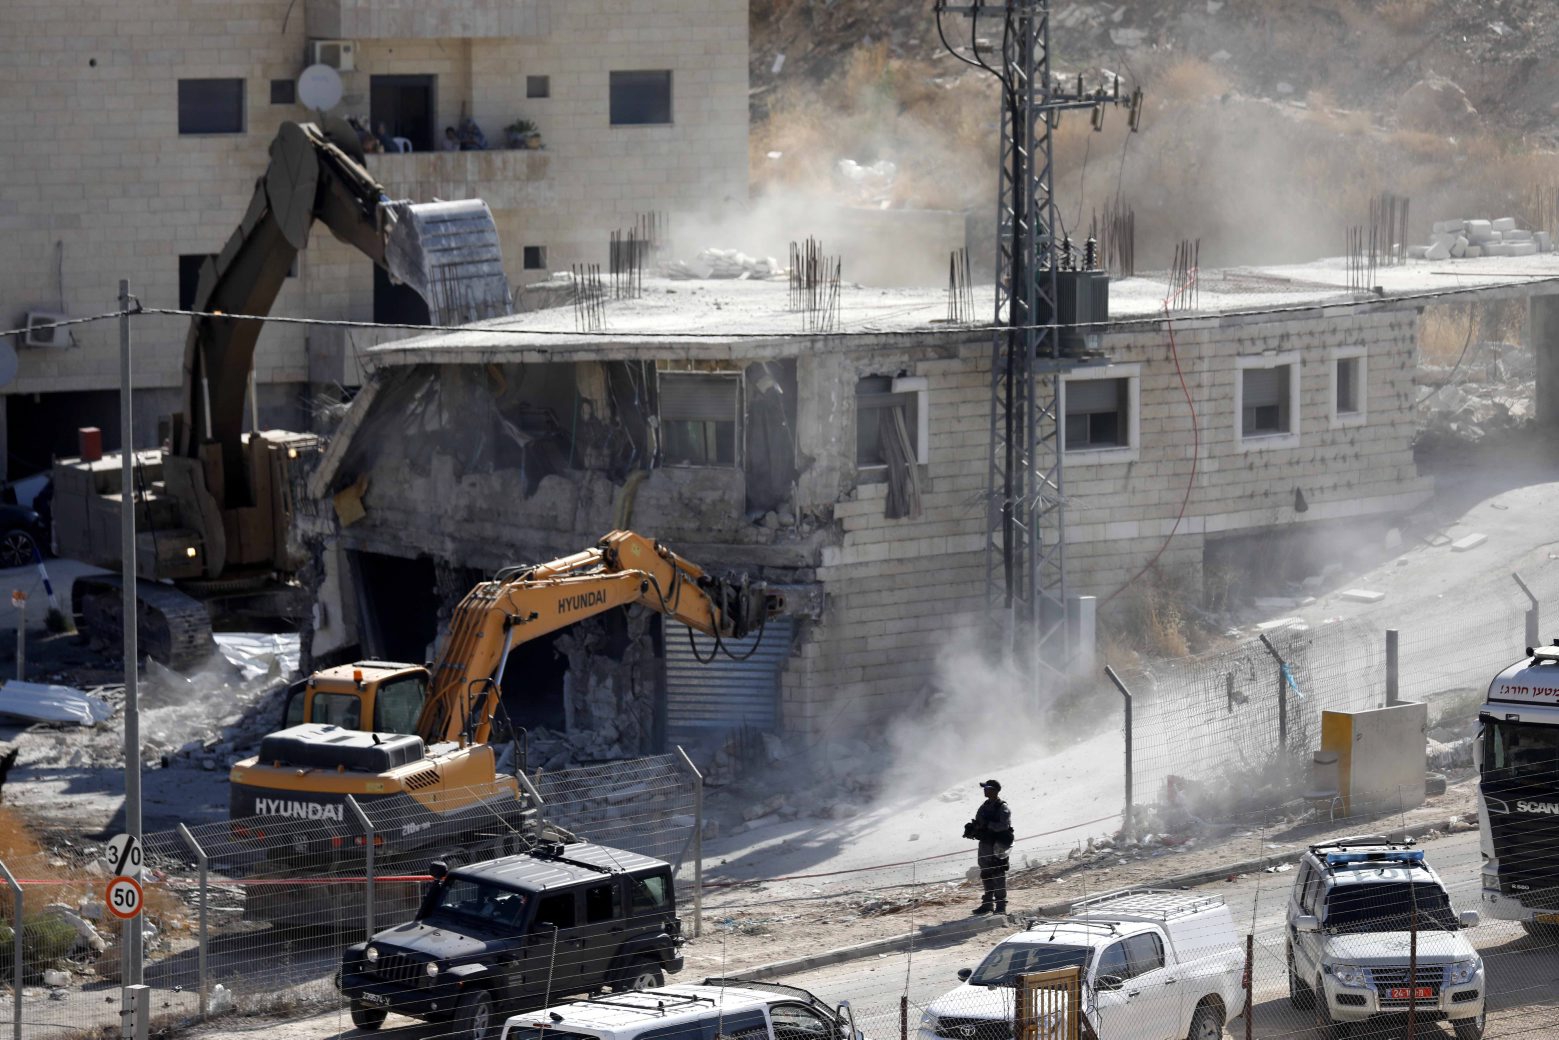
284,92
889,409
538,86
1350,386
1097,414
211,106
700,416
1101,413
641,98
189,277
535,258
1267,401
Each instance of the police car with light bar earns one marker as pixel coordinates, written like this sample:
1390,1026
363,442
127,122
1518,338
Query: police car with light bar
1372,933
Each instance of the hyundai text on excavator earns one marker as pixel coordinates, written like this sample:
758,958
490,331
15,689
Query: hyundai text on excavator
213,506
434,790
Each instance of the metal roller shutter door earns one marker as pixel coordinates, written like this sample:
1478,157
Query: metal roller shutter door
705,700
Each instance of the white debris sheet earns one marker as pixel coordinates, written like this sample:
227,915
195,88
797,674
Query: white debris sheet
257,653
45,702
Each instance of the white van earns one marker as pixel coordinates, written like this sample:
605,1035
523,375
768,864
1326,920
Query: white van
715,1009
1157,965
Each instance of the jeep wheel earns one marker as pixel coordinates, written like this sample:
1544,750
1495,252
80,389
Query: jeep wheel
366,1017
1300,996
640,974
15,549
1469,1028
1206,1024
474,1016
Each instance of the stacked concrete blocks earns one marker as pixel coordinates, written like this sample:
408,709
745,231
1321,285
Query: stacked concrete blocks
1458,239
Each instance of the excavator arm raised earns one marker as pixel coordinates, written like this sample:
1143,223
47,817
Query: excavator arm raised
521,605
448,252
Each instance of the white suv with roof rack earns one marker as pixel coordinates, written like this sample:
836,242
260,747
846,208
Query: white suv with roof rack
1156,965
716,1010
1371,932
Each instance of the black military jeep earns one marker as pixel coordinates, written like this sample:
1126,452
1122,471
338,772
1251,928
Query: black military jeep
517,933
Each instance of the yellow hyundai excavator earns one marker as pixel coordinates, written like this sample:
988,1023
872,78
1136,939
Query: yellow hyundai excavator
213,508
435,789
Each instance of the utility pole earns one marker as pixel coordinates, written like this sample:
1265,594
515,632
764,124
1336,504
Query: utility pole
131,961
1025,550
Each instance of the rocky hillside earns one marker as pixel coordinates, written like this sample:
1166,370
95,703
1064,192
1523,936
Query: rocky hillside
1269,125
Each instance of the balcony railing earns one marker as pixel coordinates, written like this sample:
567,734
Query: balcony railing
506,179
422,20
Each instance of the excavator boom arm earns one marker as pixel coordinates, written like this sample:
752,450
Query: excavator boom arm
518,606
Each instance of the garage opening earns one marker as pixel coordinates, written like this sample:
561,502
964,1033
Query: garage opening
397,606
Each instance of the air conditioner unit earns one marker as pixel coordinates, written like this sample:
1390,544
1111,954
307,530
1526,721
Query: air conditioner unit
41,330
340,55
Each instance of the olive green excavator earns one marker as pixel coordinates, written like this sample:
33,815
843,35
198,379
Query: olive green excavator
213,506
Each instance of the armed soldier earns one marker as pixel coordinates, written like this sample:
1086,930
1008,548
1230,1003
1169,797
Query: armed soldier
992,828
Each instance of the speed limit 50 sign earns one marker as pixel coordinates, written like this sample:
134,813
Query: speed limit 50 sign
124,898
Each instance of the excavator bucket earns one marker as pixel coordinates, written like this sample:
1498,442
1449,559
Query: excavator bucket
449,253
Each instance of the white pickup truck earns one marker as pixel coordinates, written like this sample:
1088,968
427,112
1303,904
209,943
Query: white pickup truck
1156,965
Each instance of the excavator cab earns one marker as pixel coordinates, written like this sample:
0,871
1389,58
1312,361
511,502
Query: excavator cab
380,696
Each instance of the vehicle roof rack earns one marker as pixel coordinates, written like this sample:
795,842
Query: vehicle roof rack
1037,923
1153,903
1374,858
1357,840
635,1000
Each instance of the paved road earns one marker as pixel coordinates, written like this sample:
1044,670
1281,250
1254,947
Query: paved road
1524,991
1523,975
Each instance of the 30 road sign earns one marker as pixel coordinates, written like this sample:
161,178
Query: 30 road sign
124,856
124,898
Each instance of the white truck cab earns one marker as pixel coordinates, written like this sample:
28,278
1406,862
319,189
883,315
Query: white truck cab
1156,965
1352,953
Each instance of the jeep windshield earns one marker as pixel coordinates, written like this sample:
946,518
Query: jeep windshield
1389,906
1009,960
464,901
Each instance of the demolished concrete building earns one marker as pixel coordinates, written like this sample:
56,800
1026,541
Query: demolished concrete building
704,415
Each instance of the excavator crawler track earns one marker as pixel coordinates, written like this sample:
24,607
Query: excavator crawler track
171,627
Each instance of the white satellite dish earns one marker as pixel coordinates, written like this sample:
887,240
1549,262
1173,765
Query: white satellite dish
7,362
319,87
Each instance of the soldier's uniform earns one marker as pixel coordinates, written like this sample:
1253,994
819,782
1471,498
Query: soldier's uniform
992,827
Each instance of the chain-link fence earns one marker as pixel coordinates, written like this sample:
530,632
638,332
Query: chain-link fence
255,912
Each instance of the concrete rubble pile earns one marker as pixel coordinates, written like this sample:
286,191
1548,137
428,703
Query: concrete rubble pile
1469,239
724,264
1489,395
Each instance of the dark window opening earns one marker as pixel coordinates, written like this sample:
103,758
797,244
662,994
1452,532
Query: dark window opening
538,86
211,106
873,395
603,903
556,910
1347,386
535,258
1097,412
404,105
641,98
1265,404
284,92
397,304
189,277
538,702
699,414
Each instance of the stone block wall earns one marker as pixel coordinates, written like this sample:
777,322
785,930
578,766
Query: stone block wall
100,185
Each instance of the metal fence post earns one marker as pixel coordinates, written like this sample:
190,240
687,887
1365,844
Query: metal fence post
1393,676
17,930
535,795
200,969
1126,816
137,1013
368,865
698,842
1282,692
1533,637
